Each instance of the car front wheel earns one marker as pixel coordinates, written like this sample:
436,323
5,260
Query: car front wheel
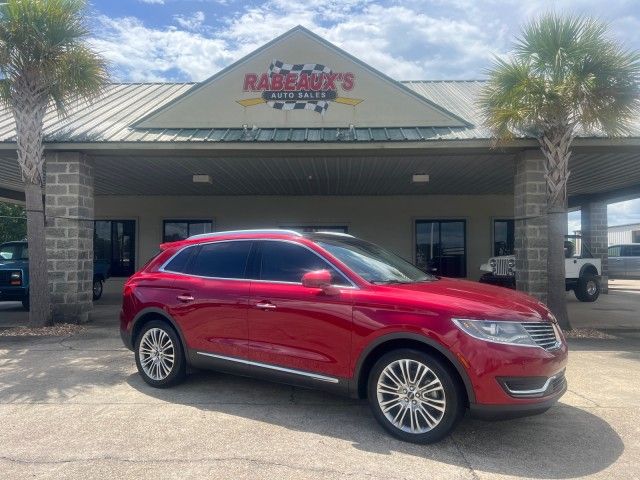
414,396
159,355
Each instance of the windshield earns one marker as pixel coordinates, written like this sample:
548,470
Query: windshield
371,262
14,251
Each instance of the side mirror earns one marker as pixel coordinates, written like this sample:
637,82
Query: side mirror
317,279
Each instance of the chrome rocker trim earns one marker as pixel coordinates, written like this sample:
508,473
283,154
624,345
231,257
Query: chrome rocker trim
314,376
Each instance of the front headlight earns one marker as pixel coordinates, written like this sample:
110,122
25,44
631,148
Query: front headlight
510,333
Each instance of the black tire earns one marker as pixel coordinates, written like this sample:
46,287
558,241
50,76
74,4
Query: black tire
97,288
588,288
25,302
451,393
178,369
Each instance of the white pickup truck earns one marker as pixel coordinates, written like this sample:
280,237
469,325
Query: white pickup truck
582,271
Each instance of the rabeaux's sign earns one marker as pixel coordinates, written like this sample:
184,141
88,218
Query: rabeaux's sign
299,86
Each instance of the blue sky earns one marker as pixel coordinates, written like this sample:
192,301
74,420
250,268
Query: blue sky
189,40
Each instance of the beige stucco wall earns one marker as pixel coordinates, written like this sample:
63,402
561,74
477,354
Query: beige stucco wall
387,220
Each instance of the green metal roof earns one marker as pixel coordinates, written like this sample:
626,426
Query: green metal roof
110,119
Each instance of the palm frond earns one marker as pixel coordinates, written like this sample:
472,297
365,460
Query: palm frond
43,49
571,75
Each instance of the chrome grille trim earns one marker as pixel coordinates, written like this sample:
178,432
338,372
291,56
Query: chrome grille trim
502,267
543,334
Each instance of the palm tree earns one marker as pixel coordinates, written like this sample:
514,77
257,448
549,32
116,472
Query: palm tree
565,77
44,62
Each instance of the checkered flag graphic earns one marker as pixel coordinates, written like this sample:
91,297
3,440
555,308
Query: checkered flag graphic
319,106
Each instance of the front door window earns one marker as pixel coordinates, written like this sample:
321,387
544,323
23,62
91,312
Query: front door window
441,247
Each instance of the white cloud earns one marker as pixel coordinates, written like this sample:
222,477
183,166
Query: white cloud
622,213
432,39
153,2
190,22
139,53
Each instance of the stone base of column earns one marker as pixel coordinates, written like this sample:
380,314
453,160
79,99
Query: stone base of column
531,225
69,235
595,234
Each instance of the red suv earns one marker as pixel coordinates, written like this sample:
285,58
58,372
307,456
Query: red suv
328,310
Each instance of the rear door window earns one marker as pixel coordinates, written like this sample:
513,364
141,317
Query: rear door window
221,260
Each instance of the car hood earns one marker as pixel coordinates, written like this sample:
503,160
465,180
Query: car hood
462,298
12,264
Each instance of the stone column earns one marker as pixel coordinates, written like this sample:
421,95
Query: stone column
69,235
531,237
593,219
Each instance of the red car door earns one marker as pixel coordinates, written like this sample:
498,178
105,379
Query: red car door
298,327
211,299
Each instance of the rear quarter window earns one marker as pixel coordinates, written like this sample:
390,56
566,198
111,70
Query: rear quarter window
179,262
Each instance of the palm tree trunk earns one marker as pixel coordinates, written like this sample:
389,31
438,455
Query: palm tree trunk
555,146
556,293
39,304
29,108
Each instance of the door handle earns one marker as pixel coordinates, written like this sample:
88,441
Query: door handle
265,306
185,297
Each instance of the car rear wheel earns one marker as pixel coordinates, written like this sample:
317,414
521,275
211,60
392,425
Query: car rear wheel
97,288
588,288
414,396
159,355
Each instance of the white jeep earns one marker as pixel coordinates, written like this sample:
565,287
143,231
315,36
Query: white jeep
582,271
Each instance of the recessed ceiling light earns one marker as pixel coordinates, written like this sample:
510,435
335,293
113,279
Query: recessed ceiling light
420,178
202,178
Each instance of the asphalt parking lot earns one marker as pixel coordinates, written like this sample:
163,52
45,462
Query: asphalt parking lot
75,408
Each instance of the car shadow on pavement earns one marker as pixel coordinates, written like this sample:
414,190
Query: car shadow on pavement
564,442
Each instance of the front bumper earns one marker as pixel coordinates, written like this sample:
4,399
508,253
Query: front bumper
509,411
12,294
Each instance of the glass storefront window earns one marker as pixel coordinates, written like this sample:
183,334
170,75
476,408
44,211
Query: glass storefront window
174,230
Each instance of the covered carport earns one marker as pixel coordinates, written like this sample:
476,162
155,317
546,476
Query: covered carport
406,164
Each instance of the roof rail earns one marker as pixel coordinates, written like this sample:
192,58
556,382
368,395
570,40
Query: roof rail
258,231
337,234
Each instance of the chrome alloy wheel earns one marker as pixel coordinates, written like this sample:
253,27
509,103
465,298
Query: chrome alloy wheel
592,287
411,396
157,354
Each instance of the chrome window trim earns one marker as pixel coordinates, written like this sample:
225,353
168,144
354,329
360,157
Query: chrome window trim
315,376
351,285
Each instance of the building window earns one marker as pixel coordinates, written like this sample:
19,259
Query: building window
174,230
635,236
441,247
114,245
317,228
503,237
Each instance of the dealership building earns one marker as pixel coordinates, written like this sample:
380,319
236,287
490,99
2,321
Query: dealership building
301,135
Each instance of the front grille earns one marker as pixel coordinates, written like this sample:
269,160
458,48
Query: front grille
543,334
5,277
502,267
